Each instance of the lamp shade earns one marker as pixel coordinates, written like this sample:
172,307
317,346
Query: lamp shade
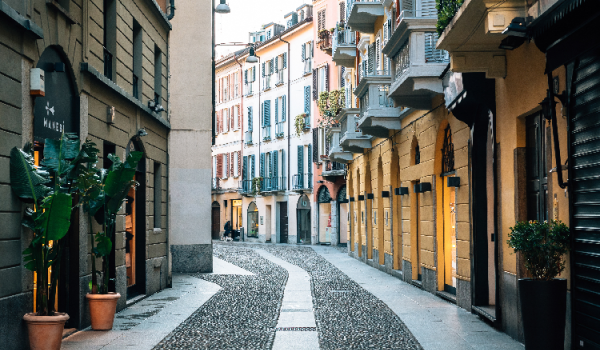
252,56
222,7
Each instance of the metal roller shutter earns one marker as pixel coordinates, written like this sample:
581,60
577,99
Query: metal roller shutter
585,196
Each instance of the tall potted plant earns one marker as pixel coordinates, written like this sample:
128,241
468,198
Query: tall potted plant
543,296
49,218
103,192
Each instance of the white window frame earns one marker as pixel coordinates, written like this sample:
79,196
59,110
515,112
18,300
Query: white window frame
225,157
236,84
236,163
321,80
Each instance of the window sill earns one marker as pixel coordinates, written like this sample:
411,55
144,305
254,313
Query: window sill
279,84
306,73
267,88
157,230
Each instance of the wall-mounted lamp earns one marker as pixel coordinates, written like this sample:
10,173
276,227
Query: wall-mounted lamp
370,196
142,132
517,27
385,194
511,42
222,7
252,56
453,181
361,197
351,199
110,114
401,191
423,187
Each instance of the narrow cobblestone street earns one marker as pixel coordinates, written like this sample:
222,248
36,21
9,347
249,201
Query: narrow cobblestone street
289,297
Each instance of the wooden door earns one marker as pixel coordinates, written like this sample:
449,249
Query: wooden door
283,222
537,174
216,223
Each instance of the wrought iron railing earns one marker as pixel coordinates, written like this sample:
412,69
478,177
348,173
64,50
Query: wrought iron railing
266,133
324,42
343,36
279,130
364,71
273,183
402,60
302,181
384,100
246,186
333,166
108,63
215,183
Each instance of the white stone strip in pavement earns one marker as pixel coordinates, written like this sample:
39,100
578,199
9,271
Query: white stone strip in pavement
296,309
222,267
143,325
435,323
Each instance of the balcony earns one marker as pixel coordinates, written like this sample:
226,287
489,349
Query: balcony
324,43
215,184
344,46
336,153
475,33
266,133
245,187
273,184
279,130
363,14
279,76
377,112
416,63
266,83
351,136
333,169
248,138
302,182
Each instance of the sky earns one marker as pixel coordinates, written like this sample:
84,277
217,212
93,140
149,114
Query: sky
247,16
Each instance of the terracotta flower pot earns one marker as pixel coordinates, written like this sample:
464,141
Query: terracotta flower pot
102,310
45,332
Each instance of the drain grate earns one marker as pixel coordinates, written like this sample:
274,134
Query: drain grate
296,329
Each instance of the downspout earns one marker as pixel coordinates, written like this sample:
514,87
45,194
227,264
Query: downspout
552,117
289,103
172,11
213,72
259,113
241,114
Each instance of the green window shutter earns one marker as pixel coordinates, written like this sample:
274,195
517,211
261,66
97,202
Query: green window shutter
307,100
315,85
263,69
276,59
262,165
271,66
301,166
283,108
276,110
271,156
250,118
284,60
308,161
246,76
252,168
245,168
267,113
303,52
275,155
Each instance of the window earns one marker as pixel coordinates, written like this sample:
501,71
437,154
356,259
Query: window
137,59
157,75
236,171
321,79
321,145
225,165
225,88
110,37
342,11
157,194
321,20
302,15
236,117
236,83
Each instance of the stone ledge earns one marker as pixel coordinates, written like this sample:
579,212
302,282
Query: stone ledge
28,25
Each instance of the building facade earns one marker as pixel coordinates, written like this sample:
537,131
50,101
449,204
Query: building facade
262,167
106,66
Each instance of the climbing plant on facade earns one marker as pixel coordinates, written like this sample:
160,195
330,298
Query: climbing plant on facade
330,103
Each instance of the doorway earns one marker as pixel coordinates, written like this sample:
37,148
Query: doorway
283,222
252,218
415,232
236,214
537,174
324,206
135,228
216,220
449,227
342,217
303,219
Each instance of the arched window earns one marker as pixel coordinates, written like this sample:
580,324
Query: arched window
252,220
324,196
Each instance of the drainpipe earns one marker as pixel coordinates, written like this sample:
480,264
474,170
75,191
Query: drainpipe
289,103
214,90
241,113
172,10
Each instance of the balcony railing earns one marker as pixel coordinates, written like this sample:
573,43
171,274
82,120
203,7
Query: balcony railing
402,60
384,100
266,82
279,133
249,89
344,36
215,183
333,166
365,72
270,184
108,63
302,181
245,186
307,122
266,133
248,137
308,66
432,55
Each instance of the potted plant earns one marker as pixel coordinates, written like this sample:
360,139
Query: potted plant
103,192
49,217
543,296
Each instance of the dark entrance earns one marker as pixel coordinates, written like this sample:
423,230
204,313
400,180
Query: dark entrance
283,222
537,171
215,221
303,219
585,200
55,113
135,227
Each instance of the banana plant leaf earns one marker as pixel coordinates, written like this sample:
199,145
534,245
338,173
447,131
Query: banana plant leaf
87,155
59,153
56,216
27,181
104,246
120,179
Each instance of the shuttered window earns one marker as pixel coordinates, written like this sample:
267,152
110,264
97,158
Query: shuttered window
245,168
321,20
307,100
276,110
252,166
250,118
428,8
262,165
301,166
315,86
315,137
283,108
308,156
267,113
219,165
284,60
275,155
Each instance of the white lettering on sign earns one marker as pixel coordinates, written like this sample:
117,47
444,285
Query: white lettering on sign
49,109
53,125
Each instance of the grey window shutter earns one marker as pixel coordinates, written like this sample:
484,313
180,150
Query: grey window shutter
271,66
276,60
252,166
315,135
303,52
263,69
250,118
284,60
246,76
327,77
262,165
312,48
308,160
342,80
371,57
276,110
283,108
307,100
267,118
315,85
301,164
275,155
245,168
283,162
253,74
